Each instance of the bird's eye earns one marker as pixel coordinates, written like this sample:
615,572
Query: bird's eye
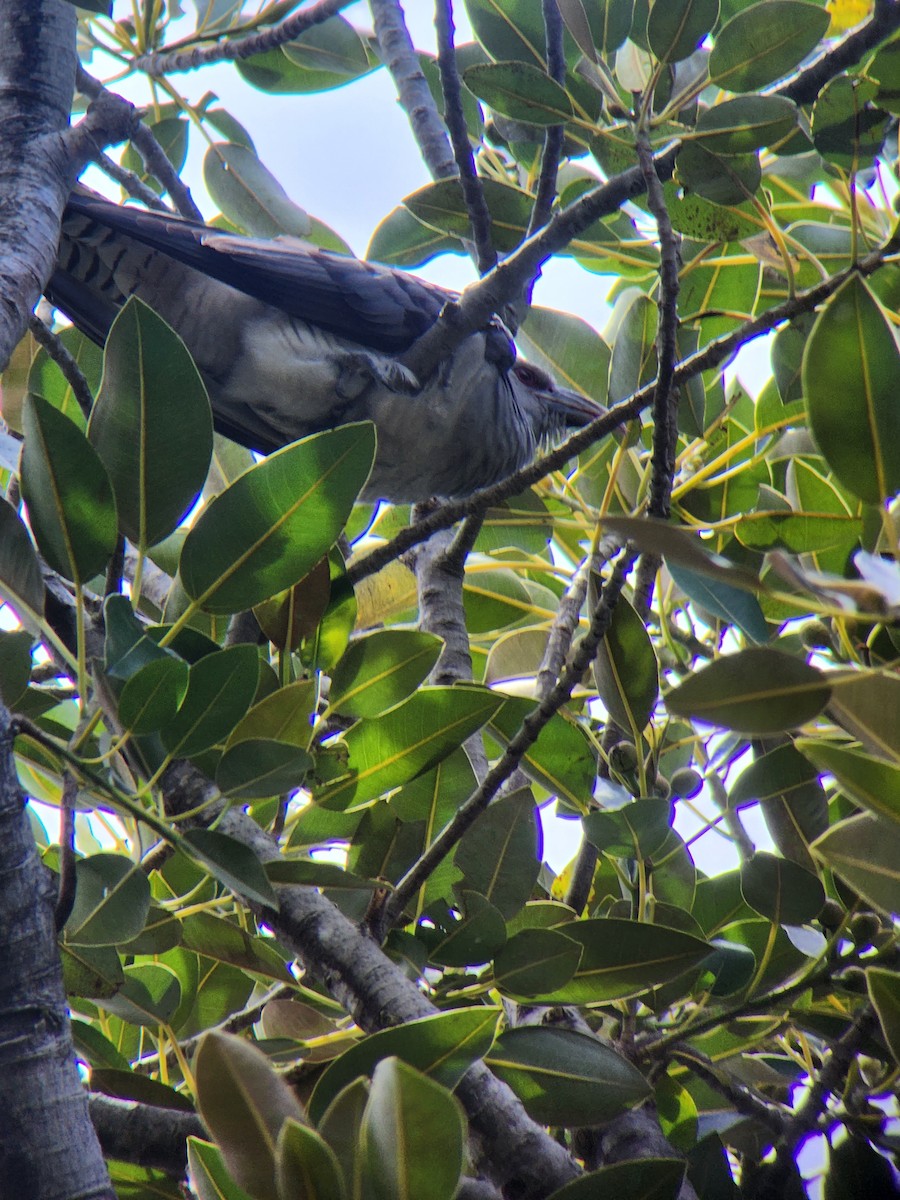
532,376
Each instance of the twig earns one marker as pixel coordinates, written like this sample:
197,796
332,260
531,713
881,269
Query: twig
806,85
712,355
130,181
473,192
743,1098
555,135
665,395
512,756
73,374
236,49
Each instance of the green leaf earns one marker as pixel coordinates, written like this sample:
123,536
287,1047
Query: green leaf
283,716
151,697
675,29
764,42
781,890
157,465
500,855
221,687
249,195
306,1167
561,759
509,30
225,942
564,1077
851,379
148,997
408,1116
443,1046
866,704
635,1179
746,124
46,378
469,940
884,992
872,782
442,206
847,129
625,669
534,960
325,56
274,523
381,669
760,690
520,91
232,863
15,665
855,1168
209,1175
623,958
21,583
112,900
734,606
575,354
244,1104
387,751
70,502
259,767
865,852
720,179
636,830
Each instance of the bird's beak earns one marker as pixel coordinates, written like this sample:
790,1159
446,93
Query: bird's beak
571,408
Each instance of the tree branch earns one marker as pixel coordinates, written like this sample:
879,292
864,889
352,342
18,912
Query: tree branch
237,49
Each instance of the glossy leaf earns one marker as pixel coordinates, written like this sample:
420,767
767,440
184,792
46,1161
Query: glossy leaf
534,960
387,751
760,690
151,697
259,767
157,465
209,1175
636,830
763,42
21,583
561,759
271,526
872,782
249,194
500,854
635,1179
564,1077
625,670
221,687
244,1105
443,1046
70,502
884,992
380,670
112,899
865,852
233,863
306,1167
520,91
624,958
675,29
851,376
781,890
746,124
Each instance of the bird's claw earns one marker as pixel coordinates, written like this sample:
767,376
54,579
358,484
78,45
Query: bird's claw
357,371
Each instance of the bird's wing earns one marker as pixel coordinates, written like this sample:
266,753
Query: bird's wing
379,308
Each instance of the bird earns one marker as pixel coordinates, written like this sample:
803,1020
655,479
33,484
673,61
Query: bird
292,340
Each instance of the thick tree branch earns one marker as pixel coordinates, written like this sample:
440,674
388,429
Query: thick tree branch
37,80
144,1134
514,1152
47,1133
400,58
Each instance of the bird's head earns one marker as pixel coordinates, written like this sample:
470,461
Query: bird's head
551,411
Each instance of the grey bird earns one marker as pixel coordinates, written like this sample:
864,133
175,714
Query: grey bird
292,340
